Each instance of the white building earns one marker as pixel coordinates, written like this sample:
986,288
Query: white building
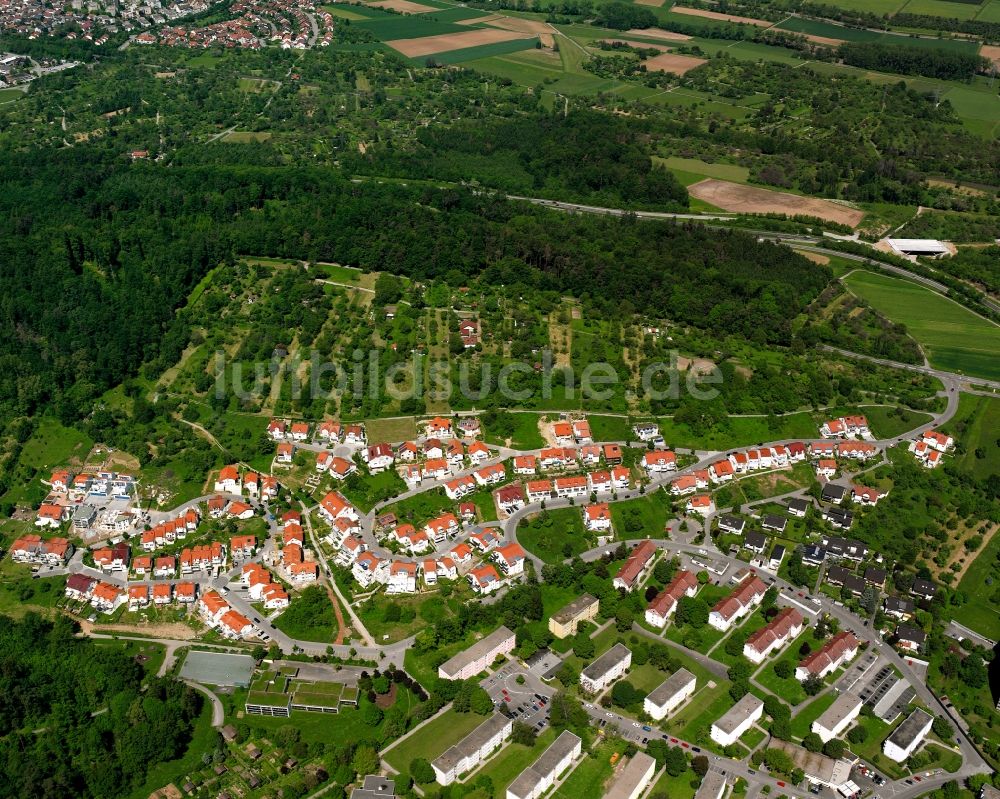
470,662
838,717
473,749
542,774
737,720
908,736
606,669
633,780
670,694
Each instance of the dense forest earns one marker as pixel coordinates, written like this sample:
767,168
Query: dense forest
101,252
908,60
76,718
584,156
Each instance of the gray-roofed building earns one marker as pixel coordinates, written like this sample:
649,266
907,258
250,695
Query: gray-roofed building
634,778
713,786
564,623
732,524
910,637
798,507
777,555
897,606
923,589
813,555
774,522
842,519
670,694
833,492
542,774
84,517
606,669
755,541
375,786
838,717
875,577
472,749
817,767
908,736
737,720
478,657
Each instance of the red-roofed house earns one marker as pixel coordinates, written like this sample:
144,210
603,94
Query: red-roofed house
510,559
664,604
840,649
402,578
782,629
597,517
633,570
485,579
740,603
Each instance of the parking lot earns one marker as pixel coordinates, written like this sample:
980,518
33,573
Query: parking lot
527,701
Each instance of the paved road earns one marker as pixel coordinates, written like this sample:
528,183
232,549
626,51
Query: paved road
218,712
951,380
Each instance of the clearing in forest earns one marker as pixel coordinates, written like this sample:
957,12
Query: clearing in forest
671,62
751,200
446,42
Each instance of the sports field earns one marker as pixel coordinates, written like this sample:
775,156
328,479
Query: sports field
953,337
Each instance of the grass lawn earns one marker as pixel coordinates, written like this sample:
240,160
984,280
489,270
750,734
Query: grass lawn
610,428
802,722
640,517
590,776
421,508
204,739
646,677
679,787
554,535
953,337
54,445
790,690
981,613
504,767
390,430
525,434
975,425
366,491
695,719
871,749
433,738
740,431
373,612
947,759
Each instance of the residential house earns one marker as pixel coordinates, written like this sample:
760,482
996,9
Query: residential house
565,622
597,517
840,649
634,569
737,720
510,559
663,605
606,669
485,580
670,694
402,578
782,629
741,602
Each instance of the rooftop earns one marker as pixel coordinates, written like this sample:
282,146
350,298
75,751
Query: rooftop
606,662
670,687
574,608
478,650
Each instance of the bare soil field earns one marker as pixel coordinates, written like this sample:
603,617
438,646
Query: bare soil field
446,42
403,6
823,40
658,33
671,62
656,3
700,12
540,29
957,189
750,200
992,52
815,257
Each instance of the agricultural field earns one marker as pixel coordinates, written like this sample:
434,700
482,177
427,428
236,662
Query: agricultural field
953,337
975,426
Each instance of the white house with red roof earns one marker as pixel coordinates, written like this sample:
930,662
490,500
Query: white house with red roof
659,462
277,429
571,486
663,605
228,480
865,495
329,430
721,471
510,498
510,559
581,432
478,452
490,475
402,578
600,481
441,527
685,484
782,629
438,427
701,504
485,579
369,569
597,517
741,602
379,458
525,464
941,442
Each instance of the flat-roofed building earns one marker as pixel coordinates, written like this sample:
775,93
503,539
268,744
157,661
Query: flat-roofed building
606,669
908,736
838,717
670,694
634,778
375,786
713,786
737,720
817,767
564,623
478,657
541,775
472,749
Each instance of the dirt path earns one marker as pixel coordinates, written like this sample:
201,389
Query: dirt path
341,624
